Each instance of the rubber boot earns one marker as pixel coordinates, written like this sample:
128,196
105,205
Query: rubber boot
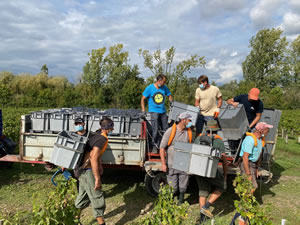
203,218
181,198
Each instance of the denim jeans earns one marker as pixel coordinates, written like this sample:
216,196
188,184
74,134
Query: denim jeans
200,123
158,120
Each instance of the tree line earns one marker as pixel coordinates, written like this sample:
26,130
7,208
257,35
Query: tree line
108,80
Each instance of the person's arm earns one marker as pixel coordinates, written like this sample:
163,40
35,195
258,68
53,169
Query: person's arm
162,153
170,98
197,102
220,101
246,163
256,119
143,103
96,166
232,102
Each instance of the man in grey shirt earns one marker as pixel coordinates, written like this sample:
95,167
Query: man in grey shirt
180,132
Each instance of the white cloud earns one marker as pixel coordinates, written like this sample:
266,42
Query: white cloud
291,23
178,8
229,72
233,54
295,5
73,21
261,14
212,65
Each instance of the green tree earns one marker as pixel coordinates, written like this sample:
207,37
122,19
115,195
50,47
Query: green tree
267,64
295,60
163,62
44,69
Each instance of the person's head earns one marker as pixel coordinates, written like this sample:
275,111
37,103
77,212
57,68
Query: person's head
79,124
263,128
185,119
253,94
203,81
106,125
161,79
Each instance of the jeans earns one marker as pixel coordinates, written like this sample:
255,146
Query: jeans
158,120
200,123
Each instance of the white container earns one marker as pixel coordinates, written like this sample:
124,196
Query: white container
233,121
196,159
68,149
179,107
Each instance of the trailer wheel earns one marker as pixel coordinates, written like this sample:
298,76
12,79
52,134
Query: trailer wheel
153,181
49,166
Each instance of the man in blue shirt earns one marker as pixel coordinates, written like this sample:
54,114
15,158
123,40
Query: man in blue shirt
156,94
251,151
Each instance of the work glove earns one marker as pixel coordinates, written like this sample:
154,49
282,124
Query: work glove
143,115
171,104
216,114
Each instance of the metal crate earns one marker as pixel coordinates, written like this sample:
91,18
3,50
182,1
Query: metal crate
179,107
133,126
40,121
233,121
196,159
68,149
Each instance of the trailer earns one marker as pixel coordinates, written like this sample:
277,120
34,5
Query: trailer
133,152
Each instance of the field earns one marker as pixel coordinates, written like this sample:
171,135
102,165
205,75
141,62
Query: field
126,196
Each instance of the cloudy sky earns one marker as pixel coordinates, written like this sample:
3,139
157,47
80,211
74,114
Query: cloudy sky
60,33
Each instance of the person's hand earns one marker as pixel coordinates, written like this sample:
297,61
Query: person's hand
216,114
249,176
97,184
62,169
164,167
143,114
235,104
171,104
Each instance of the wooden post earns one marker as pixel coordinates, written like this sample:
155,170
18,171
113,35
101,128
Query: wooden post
292,133
283,221
282,132
212,222
286,138
298,139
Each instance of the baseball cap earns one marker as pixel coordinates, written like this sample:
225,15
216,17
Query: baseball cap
78,120
254,94
185,115
262,125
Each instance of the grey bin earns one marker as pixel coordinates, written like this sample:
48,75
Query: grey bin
68,149
179,107
59,121
133,126
40,121
196,159
233,121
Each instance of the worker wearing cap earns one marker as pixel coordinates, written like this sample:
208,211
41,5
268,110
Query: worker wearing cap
206,97
90,185
176,178
211,186
251,151
79,126
252,104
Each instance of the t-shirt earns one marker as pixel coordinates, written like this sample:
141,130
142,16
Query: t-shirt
156,98
97,140
248,146
251,107
207,97
181,136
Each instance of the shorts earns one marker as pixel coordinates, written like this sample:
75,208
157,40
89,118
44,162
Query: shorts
252,167
205,184
88,195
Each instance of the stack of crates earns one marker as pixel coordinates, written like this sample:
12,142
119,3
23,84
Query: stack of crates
68,149
126,122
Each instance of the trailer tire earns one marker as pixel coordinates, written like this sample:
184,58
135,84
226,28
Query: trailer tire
152,183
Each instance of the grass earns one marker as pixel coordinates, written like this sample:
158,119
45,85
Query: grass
126,195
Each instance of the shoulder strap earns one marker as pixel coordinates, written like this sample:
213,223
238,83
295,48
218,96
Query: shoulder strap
173,132
253,136
172,135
